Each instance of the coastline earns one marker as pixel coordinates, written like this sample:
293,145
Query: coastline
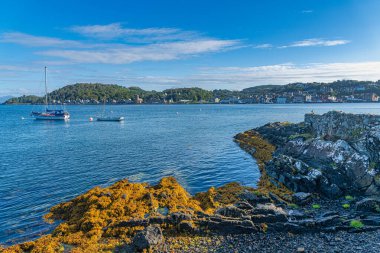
210,219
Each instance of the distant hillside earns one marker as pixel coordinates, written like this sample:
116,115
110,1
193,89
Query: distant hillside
91,93
4,98
95,93
343,87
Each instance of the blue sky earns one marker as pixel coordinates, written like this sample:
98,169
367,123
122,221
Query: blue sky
165,44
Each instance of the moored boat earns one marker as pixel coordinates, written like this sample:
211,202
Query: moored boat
110,119
50,114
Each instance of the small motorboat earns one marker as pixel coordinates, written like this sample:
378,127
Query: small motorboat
110,119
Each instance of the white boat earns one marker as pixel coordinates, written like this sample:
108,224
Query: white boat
104,117
50,114
110,119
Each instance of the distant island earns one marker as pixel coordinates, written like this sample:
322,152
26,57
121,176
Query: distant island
342,91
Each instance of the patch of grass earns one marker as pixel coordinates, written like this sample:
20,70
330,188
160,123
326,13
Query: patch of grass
292,205
346,206
316,206
377,208
305,136
357,132
372,165
356,224
349,198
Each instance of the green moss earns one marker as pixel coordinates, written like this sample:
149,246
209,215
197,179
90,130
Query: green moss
316,206
356,132
292,205
349,198
346,206
377,208
372,165
356,224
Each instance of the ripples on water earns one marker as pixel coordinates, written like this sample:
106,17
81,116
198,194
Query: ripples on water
44,163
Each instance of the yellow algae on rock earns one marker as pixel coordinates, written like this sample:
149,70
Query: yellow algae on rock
88,220
252,142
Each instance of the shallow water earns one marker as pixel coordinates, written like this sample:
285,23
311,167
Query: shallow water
44,163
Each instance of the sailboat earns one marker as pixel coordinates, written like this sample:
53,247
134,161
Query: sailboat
50,114
103,117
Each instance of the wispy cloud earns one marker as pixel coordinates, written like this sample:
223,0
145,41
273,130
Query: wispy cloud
241,77
145,35
230,77
130,45
316,42
37,41
307,11
153,52
264,46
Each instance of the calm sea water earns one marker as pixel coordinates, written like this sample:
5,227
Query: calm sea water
44,163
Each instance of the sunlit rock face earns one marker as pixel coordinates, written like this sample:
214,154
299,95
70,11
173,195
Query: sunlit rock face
334,154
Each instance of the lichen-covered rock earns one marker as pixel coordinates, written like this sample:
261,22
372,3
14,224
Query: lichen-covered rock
333,154
148,237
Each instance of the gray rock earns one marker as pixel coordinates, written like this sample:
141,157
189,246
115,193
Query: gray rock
243,205
269,218
301,198
368,205
328,220
186,226
230,211
176,218
371,220
152,235
333,154
264,209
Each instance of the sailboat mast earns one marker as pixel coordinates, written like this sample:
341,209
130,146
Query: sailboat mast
46,92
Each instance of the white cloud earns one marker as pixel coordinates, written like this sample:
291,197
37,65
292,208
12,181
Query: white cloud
233,77
37,41
145,35
307,11
316,42
132,45
266,45
151,52
242,77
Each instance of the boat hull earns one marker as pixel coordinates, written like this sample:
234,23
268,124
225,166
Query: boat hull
41,117
110,119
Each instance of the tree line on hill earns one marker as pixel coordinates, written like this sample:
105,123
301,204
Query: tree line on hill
94,93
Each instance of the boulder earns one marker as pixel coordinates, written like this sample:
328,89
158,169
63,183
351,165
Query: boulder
177,217
186,226
368,205
230,211
334,154
151,235
243,205
301,198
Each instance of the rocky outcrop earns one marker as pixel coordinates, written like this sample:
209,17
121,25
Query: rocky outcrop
147,238
333,154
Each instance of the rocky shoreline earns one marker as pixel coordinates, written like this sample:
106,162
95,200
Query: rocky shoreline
320,181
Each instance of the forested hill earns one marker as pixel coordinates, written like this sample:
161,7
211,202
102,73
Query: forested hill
96,93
